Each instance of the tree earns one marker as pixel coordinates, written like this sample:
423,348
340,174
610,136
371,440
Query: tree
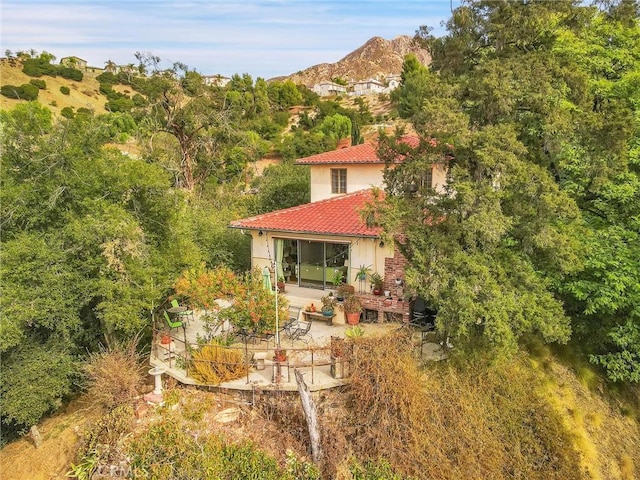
559,80
90,240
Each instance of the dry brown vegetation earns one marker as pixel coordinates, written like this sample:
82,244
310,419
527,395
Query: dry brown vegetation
84,94
527,418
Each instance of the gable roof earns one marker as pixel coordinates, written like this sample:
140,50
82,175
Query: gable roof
333,216
364,153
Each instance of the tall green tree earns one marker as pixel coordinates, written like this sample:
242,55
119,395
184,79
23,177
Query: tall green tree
91,239
534,109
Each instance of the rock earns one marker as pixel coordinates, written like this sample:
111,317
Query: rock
227,415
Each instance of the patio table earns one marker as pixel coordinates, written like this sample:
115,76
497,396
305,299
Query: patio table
176,310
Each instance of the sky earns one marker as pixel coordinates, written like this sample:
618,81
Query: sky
264,38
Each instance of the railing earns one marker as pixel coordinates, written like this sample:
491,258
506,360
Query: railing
179,355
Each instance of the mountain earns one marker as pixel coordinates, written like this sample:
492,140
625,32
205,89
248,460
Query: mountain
376,58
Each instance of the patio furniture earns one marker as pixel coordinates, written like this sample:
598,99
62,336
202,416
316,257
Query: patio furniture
301,331
183,313
172,323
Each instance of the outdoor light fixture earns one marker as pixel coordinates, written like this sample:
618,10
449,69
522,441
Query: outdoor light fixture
260,233
381,244
398,282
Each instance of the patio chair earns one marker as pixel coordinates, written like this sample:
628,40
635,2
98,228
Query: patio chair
186,314
172,323
301,332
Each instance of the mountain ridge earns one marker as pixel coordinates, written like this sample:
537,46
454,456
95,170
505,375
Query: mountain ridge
376,58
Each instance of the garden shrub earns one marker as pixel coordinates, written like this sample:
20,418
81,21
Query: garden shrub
214,364
65,90
37,67
41,84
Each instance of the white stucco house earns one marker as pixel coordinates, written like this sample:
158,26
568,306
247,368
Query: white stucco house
325,89
309,243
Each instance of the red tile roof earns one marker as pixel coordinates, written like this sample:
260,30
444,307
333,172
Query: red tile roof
364,153
333,216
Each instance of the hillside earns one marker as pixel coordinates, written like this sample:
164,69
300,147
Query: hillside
84,94
376,58
533,412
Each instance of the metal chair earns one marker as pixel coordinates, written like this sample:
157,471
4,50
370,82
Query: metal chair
186,314
172,323
301,331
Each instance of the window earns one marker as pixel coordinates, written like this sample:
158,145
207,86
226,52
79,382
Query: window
428,179
338,180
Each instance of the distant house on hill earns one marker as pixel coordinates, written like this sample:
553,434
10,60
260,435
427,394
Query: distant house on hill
74,62
393,81
216,80
329,88
368,87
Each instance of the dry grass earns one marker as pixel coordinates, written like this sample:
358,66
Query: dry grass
82,94
115,375
478,421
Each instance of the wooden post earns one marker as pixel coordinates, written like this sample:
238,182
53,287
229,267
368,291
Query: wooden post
309,408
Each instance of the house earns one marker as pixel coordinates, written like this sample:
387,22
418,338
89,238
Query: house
329,88
368,87
215,80
312,243
393,82
74,62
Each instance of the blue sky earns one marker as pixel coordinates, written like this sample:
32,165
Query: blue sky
265,38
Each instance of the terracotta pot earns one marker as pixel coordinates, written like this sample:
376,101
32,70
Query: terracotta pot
165,340
353,318
377,291
280,355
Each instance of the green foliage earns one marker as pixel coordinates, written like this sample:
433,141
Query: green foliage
67,112
282,186
35,378
379,470
70,73
23,92
91,239
204,456
302,144
336,126
65,90
534,107
41,84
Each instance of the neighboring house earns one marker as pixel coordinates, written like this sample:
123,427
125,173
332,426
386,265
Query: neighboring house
216,80
393,82
325,89
310,242
74,62
368,87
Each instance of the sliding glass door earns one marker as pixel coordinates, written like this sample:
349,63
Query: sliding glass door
311,264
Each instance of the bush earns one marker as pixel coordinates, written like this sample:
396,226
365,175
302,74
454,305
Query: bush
214,364
65,90
71,73
23,92
41,84
67,112
37,67
114,376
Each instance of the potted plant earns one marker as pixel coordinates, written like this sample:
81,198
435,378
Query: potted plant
344,291
328,304
280,355
376,282
363,272
280,284
337,278
352,309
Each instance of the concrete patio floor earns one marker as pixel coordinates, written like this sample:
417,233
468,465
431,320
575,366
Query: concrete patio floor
312,357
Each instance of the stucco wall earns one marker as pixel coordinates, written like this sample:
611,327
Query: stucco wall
359,177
